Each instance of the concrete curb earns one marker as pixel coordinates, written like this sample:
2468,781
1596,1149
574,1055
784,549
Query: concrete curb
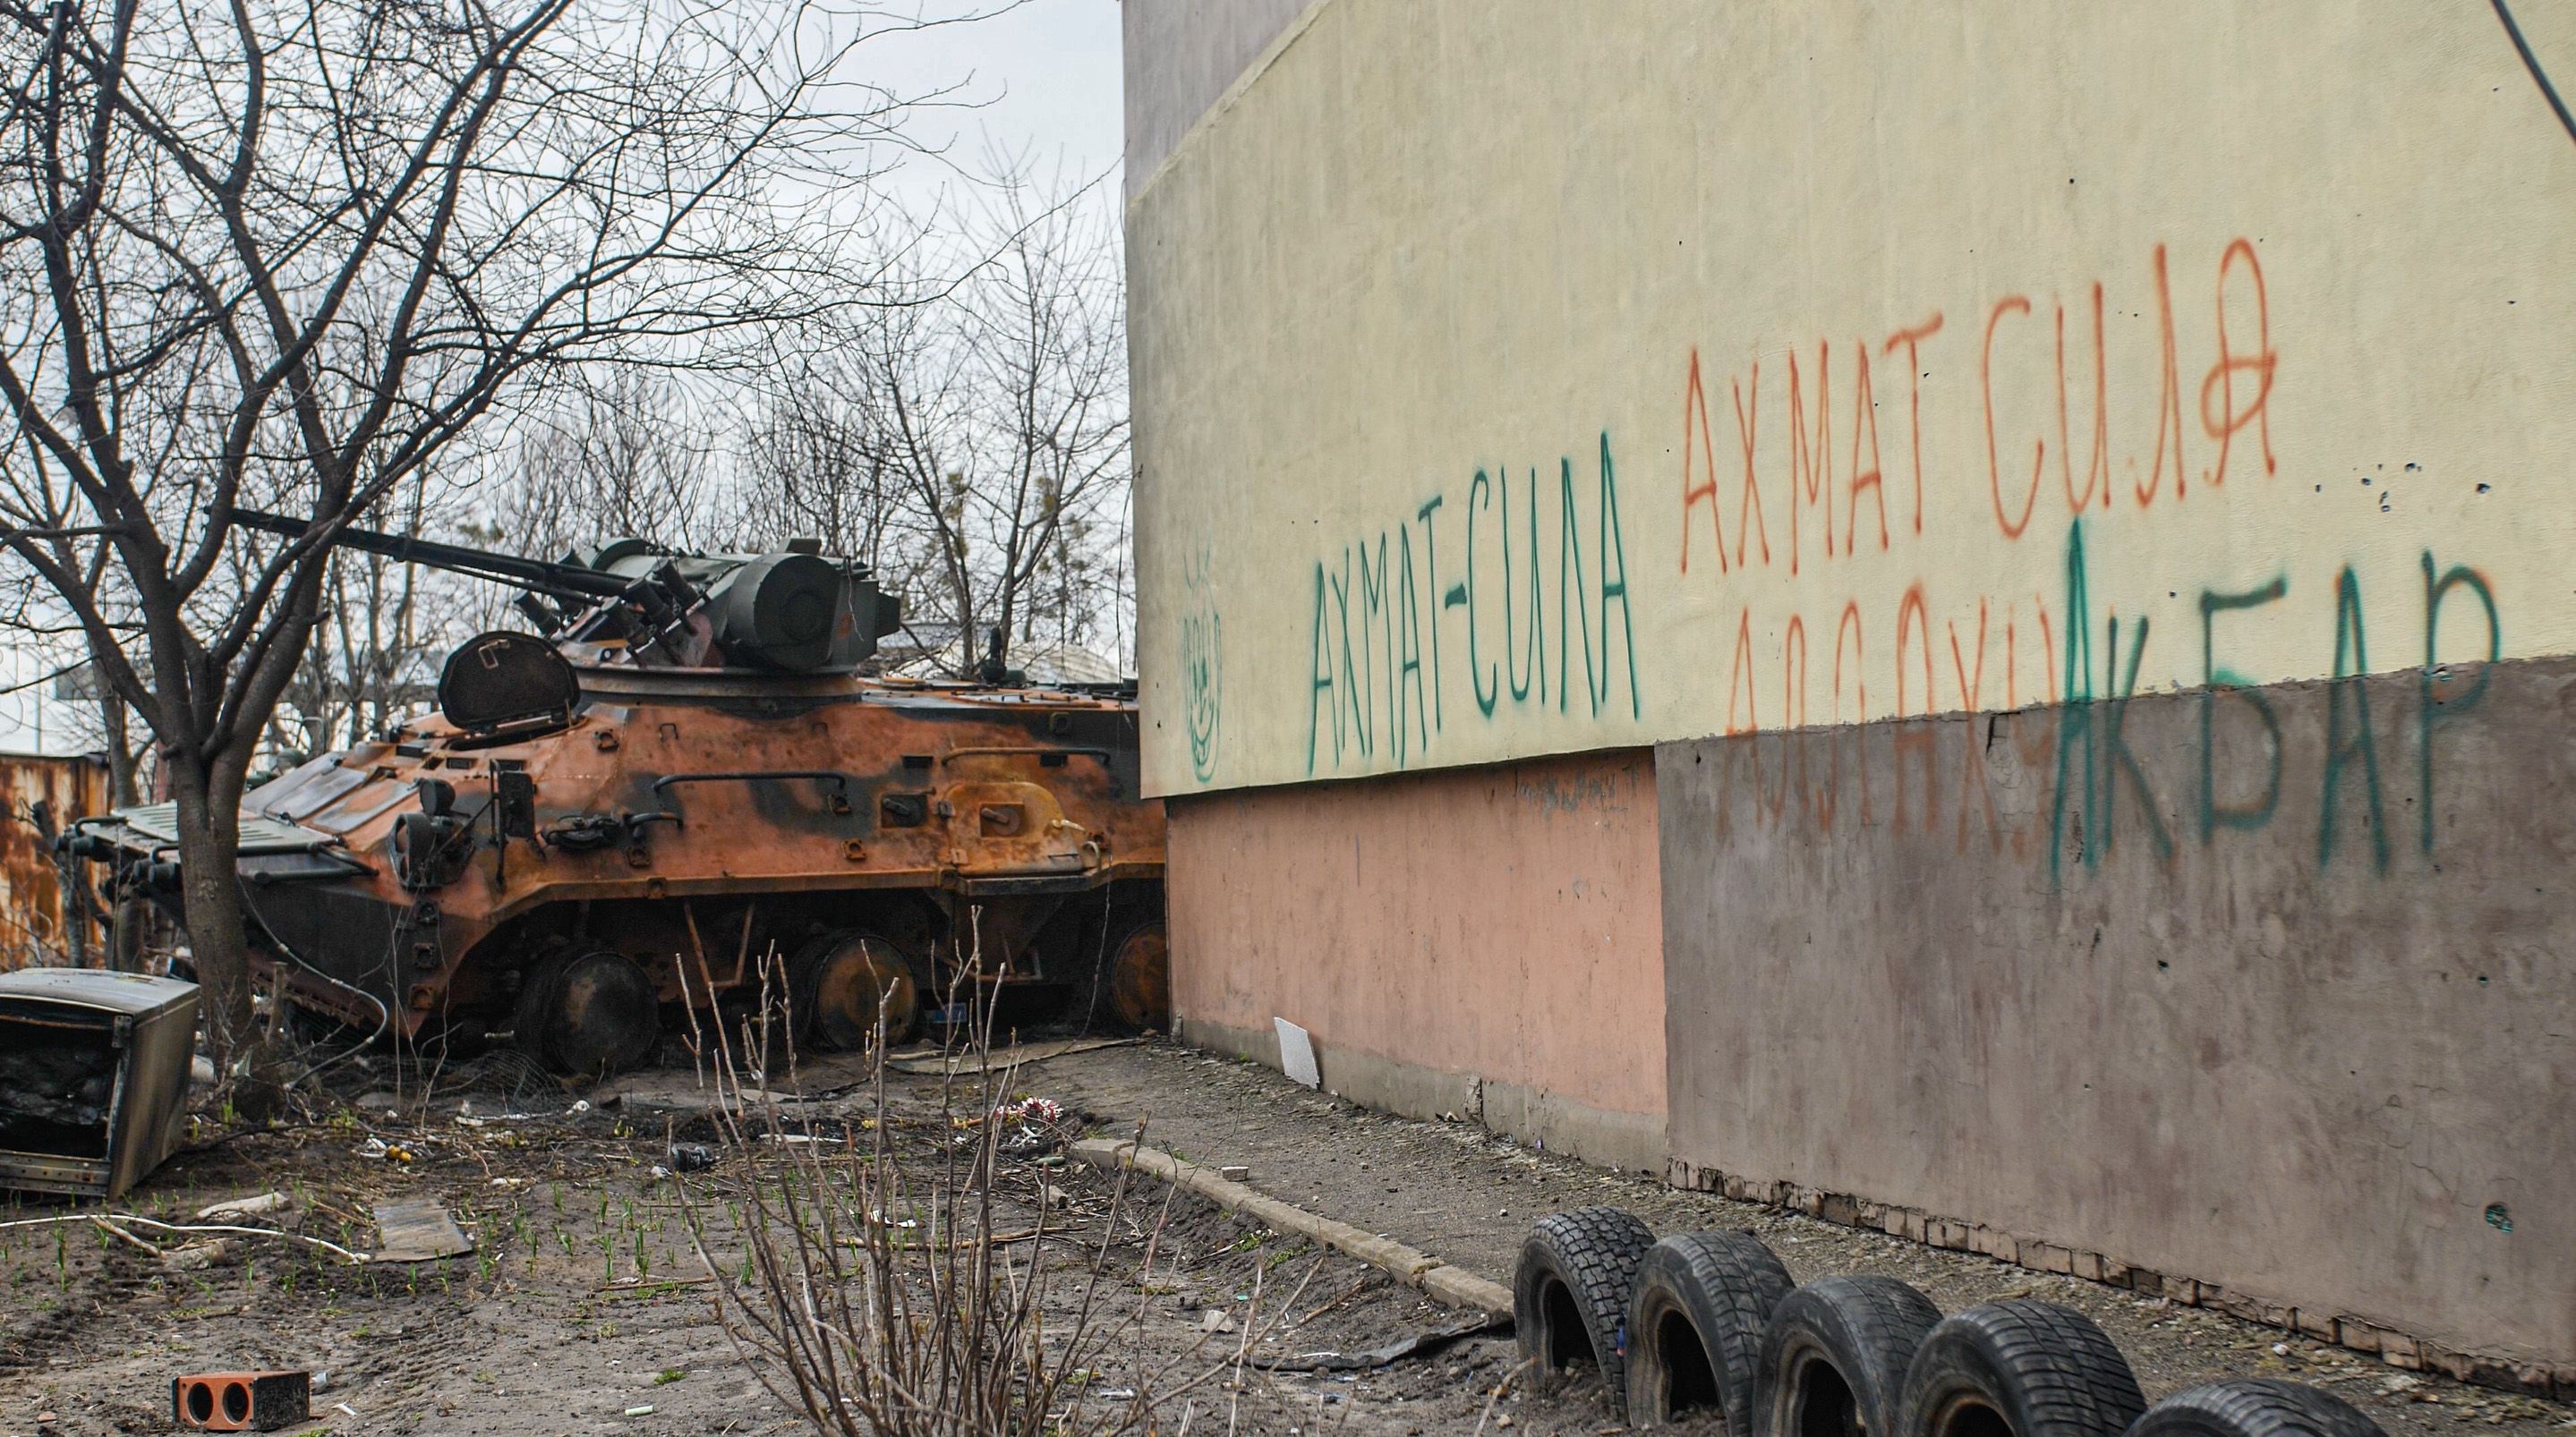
1454,1286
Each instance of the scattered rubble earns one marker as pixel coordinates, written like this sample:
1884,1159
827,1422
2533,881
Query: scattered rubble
241,1401
576,1280
236,1209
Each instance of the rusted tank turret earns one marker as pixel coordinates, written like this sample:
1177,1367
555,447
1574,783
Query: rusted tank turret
611,823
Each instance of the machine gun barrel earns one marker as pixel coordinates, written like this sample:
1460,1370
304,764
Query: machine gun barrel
570,581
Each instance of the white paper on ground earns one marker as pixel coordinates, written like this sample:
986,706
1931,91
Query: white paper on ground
1297,1054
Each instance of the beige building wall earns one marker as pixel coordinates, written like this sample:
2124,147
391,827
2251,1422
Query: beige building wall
1486,945
1510,385
2053,483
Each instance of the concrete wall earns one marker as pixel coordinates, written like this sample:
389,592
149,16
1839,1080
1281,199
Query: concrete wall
1775,346
1793,371
2272,989
1483,944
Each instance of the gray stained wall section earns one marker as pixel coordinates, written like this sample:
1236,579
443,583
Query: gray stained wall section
1181,57
2271,988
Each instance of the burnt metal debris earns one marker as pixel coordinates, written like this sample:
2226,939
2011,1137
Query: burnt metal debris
607,828
93,1077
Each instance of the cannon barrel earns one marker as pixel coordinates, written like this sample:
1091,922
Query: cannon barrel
569,581
791,610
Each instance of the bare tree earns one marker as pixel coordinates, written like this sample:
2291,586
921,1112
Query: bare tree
622,458
92,719
814,465
368,660
297,254
1000,414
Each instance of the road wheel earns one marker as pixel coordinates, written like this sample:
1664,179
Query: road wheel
1834,1357
1140,979
2019,1369
1108,955
845,984
538,985
2254,1407
1570,1293
587,1014
1695,1325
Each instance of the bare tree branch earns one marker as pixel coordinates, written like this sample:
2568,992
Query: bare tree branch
307,255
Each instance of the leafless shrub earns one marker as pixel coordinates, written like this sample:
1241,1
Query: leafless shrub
904,1274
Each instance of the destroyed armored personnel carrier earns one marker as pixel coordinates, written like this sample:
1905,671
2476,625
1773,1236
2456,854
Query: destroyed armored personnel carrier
682,796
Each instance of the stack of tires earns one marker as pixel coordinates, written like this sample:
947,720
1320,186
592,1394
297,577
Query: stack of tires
1707,1324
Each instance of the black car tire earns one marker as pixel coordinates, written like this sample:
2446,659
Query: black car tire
1695,1325
2042,1369
1834,1357
2254,1407
1570,1293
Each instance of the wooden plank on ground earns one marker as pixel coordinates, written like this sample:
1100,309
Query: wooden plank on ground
417,1230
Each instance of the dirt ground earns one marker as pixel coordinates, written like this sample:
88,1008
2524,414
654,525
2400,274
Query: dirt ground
1454,1190
584,1300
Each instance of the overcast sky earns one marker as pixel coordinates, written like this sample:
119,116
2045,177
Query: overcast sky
1050,72
1047,73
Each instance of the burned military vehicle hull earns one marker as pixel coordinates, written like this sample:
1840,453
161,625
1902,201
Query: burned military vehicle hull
584,850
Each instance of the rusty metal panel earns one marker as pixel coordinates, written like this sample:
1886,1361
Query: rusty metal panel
39,795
